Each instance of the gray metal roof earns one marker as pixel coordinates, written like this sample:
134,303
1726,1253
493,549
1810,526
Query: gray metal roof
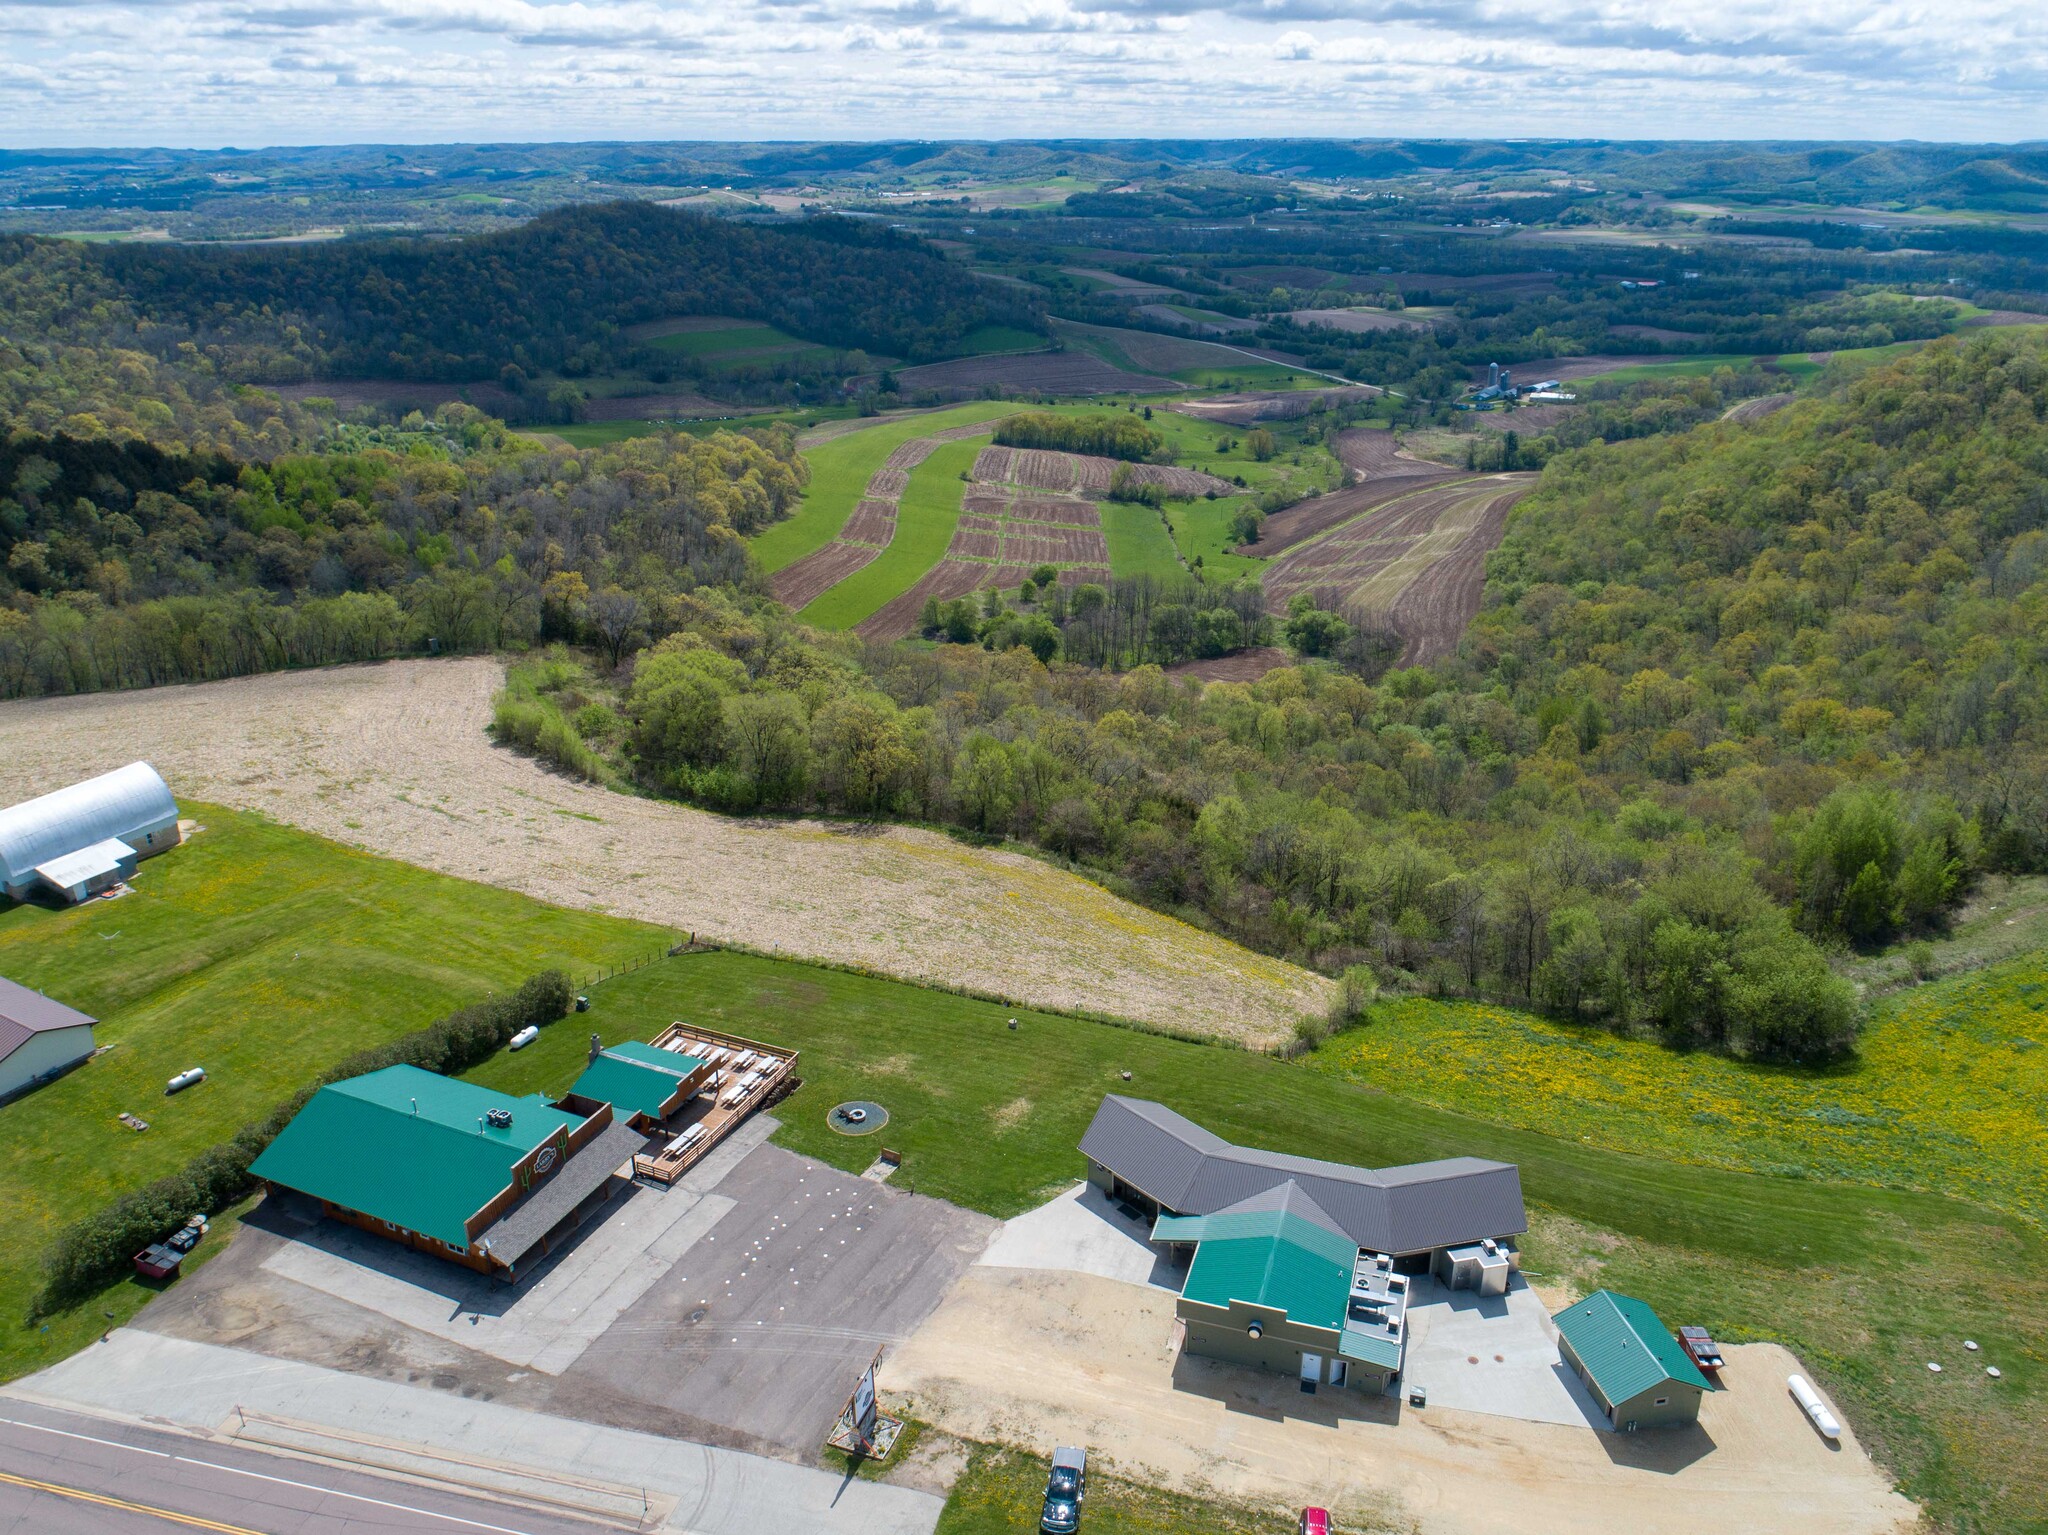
519,1230
25,1014
118,804
1407,1209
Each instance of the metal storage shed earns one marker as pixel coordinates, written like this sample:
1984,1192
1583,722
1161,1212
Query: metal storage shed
39,1038
80,839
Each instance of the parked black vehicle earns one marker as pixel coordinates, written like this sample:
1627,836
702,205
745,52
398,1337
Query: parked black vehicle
1064,1490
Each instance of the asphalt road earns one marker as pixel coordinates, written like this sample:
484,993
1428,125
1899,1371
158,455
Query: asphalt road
66,1474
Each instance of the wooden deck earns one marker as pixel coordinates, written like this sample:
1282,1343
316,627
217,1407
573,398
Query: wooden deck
746,1075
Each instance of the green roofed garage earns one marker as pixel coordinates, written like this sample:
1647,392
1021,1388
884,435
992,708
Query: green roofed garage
1630,1361
439,1164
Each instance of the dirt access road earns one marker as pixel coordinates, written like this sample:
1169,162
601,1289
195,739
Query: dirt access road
393,758
1032,1356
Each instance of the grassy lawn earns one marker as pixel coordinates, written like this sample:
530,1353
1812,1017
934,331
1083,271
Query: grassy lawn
1139,543
264,955
1866,1284
925,519
1677,367
1945,1094
1003,1489
840,470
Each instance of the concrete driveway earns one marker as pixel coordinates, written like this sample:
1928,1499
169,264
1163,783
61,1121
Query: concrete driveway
1081,1232
1496,1354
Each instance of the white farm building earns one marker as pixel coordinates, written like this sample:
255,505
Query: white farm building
77,841
39,1038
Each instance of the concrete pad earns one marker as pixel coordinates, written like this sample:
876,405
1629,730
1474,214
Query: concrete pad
198,1386
1496,1355
1082,1232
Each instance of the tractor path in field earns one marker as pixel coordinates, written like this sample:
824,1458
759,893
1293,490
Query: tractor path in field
393,758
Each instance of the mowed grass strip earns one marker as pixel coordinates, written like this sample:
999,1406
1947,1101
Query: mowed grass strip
840,470
264,955
1139,544
925,520
1865,1284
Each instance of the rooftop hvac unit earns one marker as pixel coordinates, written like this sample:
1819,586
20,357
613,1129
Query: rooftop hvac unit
499,1119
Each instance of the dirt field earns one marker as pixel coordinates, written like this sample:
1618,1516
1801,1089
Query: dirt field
649,407
1254,405
1757,409
1047,372
1415,563
399,394
1161,353
1245,666
1210,324
1357,322
1037,1357
1384,468
393,758
1085,474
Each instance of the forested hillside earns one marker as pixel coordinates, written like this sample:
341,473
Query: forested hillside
1737,697
546,295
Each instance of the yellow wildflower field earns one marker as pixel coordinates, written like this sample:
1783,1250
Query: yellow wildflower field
1949,1091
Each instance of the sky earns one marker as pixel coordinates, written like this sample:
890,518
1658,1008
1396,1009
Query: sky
207,73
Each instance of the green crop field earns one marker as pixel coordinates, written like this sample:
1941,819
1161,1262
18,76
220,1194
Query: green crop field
1252,375
987,339
742,340
925,520
840,470
1864,1283
264,955
1139,543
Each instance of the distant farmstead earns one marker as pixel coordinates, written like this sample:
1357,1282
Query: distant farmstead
40,1039
78,841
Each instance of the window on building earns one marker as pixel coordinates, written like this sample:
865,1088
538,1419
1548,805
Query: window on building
1662,1400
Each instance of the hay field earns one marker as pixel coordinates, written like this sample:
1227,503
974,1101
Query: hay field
393,758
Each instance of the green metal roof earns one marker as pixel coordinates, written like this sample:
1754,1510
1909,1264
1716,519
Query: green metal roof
634,1078
1372,1349
1624,1347
408,1146
1271,1258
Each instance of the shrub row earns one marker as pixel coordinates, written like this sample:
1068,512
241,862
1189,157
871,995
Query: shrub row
538,727
94,1251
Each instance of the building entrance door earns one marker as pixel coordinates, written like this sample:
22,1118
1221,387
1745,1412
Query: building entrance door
1312,1368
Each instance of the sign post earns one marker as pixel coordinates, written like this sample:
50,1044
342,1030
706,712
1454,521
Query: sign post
862,1428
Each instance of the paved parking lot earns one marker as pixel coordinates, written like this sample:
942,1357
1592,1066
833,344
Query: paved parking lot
767,1321
1496,1355
736,1308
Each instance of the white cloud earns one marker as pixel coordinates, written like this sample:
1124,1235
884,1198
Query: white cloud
307,71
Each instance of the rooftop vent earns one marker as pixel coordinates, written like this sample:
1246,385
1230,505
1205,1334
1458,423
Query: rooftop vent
499,1119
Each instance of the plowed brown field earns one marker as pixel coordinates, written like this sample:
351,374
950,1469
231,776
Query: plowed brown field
394,759
1434,540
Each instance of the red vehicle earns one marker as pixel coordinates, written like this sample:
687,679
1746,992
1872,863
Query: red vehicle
1705,1352
1315,1521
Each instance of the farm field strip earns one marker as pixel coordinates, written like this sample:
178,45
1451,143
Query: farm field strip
928,511
1062,373
870,528
842,458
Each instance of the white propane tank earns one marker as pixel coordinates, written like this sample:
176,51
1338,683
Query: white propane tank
525,1037
185,1079
1816,1409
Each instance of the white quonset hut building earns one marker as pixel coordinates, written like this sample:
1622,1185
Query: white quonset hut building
79,840
39,1038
